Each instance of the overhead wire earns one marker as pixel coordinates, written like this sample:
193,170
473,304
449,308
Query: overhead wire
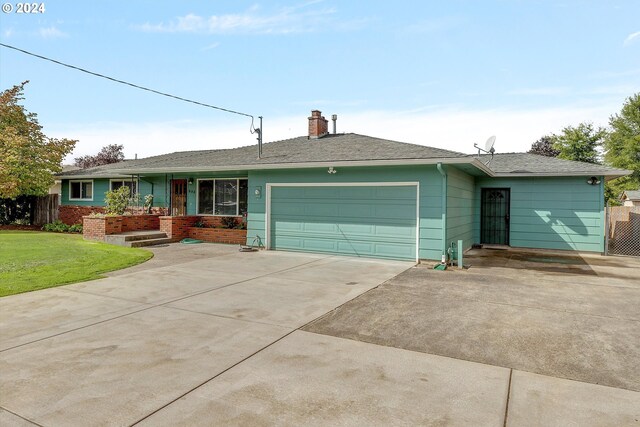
130,84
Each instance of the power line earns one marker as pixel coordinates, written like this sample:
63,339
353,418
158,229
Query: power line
129,84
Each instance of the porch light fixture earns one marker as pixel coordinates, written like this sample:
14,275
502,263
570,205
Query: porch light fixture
258,192
593,181
331,170
190,181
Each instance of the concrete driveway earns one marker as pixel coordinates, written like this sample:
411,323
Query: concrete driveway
204,335
113,351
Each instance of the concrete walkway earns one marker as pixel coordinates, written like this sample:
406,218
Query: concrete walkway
204,335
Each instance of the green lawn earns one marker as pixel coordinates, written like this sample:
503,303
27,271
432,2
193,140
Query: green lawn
31,260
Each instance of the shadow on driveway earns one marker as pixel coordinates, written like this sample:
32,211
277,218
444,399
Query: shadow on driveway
567,316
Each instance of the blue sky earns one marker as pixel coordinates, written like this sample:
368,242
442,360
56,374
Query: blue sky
439,73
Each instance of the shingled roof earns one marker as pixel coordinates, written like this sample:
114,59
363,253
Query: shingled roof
525,164
348,147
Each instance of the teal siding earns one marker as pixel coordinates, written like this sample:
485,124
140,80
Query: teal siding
158,185
430,234
377,221
100,186
460,207
551,213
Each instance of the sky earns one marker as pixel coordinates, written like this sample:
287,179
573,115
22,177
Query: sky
445,74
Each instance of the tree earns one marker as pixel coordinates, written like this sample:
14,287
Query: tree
28,158
544,147
109,154
580,143
622,146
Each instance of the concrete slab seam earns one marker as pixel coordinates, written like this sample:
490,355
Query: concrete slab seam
246,358
150,306
506,406
21,417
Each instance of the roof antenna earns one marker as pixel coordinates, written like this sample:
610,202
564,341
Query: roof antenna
259,138
488,148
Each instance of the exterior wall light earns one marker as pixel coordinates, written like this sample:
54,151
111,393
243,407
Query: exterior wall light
593,181
190,181
258,192
331,170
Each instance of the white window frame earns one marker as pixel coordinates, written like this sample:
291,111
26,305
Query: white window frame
123,180
81,181
238,214
270,185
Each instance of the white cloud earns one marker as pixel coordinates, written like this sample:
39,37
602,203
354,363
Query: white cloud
211,46
453,129
286,20
632,37
51,33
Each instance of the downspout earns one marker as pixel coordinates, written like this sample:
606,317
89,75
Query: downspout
444,211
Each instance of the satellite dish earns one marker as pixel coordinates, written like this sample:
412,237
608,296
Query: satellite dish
488,146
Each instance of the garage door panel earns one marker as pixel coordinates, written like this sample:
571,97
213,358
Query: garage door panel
377,221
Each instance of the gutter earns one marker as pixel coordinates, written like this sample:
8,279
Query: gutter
297,165
444,211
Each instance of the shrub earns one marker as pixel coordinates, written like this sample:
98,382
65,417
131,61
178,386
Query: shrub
75,228
56,227
228,222
117,200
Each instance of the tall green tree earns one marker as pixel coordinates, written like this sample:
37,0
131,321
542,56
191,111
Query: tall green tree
28,158
544,147
580,143
622,146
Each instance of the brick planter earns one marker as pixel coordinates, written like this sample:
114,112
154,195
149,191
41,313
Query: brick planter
95,228
219,235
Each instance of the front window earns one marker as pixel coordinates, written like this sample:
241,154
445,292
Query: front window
224,197
117,183
81,190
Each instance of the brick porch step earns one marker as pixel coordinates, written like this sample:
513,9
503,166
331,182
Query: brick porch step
136,239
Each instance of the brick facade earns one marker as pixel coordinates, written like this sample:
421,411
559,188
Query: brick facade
180,227
177,227
219,235
140,222
73,214
95,228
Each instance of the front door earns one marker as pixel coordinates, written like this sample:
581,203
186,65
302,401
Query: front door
494,216
178,197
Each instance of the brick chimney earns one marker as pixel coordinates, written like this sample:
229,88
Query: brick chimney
318,125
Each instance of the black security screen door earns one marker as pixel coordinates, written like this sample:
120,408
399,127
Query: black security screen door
494,216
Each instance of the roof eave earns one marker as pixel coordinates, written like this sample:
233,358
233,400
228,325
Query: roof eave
607,175
309,165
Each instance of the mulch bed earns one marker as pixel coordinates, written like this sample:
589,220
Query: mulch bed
21,227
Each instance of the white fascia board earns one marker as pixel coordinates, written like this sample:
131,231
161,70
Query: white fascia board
308,165
80,177
609,176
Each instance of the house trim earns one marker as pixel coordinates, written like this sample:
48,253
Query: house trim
303,165
269,185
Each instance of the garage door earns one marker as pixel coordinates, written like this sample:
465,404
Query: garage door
371,221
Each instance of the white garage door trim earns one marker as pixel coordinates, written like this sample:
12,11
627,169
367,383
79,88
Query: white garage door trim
267,225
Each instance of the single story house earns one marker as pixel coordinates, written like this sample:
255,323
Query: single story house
359,195
631,198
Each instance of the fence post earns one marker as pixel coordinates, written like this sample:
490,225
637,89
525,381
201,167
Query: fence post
607,219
